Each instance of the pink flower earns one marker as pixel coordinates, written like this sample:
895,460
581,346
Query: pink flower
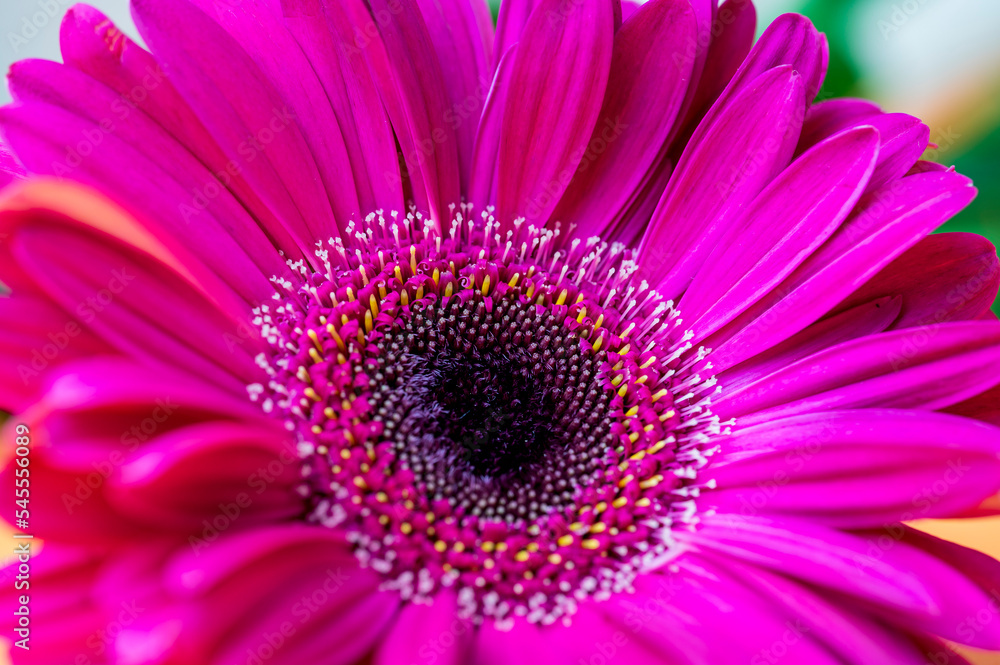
356,332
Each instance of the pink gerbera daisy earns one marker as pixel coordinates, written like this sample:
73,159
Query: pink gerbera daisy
350,331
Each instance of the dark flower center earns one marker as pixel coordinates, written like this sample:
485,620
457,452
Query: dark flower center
495,409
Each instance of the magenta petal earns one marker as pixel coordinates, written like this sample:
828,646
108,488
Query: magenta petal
651,616
368,137
343,631
36,338
10,168
483,187
92,415
409,76
186,478
859,469
865,319
193,573
511,20
70,511
817,555
258,28
64,612
679,614
984,407
962,581
137,304
534,644
132,159
717,177
833,116
98,400
650,75
557,85
982,569
732,36
790,40
425,631
244,585
944,277
460,43
233,99
637,209
904,138
884,224
854,636
794,214
911,369
93,45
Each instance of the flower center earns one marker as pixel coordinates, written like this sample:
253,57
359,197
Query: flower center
520,423
495,409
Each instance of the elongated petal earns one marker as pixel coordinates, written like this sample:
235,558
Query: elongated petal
962,580
858,469
780,229
914,369
93,45
135,295
233,99
11,168
851,634
884,224
258,27
650,74
511,20
63,607
421,631
749,144
486,162
984,407
36,337
732,37
368,136
188,477
246,585
944,277
832,116
558,80
401,57
455,31
904,138
817,555
790,40
134,160
534,645
678,616
866,319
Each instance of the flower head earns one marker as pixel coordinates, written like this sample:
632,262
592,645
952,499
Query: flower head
361,332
